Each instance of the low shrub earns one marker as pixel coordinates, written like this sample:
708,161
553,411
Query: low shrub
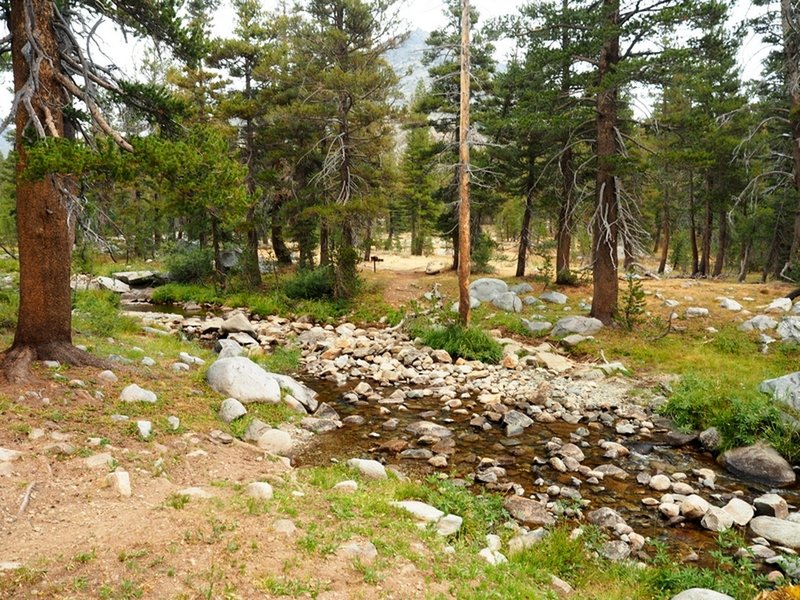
311,284
469,343
189,264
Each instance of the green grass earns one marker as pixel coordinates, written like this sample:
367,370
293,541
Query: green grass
97,313
469,343
282,359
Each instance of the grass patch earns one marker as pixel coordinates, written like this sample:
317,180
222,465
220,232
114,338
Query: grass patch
292,587
282,359
97,313
176,293
469,343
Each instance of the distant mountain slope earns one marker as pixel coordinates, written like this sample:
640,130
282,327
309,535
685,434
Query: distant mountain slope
407,62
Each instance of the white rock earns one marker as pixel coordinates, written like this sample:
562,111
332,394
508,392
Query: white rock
660,483
120,482
98,460
694,507
449,525
739,510
276,441
422,511
108,376
7,455
239,377
231,409
368,468
260,490
134,393
145,428
348,485
195,492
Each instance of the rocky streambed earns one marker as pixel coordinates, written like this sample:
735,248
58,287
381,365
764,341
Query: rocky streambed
560,439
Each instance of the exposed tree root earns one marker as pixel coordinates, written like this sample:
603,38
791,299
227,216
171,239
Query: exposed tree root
16,362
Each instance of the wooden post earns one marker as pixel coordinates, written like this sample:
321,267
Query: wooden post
463,178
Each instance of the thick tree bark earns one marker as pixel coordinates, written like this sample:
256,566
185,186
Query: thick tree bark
324,245
604,238
44,324
693,228
724,242
525,235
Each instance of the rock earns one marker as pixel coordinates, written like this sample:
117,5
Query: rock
449,525
717,520
537,326
424,428
191,360
260,490
434,268
710,439
784,389
739,510
553,297
701,594
759,323
508,302
8,455
729,304
134,393
695,311
368,468
521,288
107,376
284,527
694,507
575,324
275,441
120,482
137,278
227,348
779,531
516,422
473,303
570,450
605,518
363,552
148,362
525,540
97,461
560,587
300,391
348,485
553,362
485,289
238,323
420,510
241,378
254,430
759,463
660,483
616,550
779,305
145,428
115,285
789,329
173,422
772,505
231,409
195,492
528,512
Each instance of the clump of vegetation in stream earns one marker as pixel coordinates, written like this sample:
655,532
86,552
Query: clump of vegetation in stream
469,343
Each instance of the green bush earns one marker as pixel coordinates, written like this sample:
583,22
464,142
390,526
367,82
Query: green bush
311,284
174,293
189,264
470,343
482,252
9,304
97,312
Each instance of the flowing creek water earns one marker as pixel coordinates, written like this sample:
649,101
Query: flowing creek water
518,455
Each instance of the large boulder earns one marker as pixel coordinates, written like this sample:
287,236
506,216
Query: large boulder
784,533
789,329
486,288
779,305
759,463
576,324
508,301
784,389
238,323
553,297
115,285
759,323
239,377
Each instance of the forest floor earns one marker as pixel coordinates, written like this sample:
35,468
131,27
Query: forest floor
66,533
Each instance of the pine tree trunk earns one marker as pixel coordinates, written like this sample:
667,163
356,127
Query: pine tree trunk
705,258
564,232
252,272
693,228
744,261
724,240
44,324
368,242
282,254
667,233
324,245
524,235
789,23
604,238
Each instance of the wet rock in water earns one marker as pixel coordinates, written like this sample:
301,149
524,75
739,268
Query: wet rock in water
660,483
760,463
779,531
134,393
354,420
614,471
516,422
576,325
420,510
368,468
605,518
570,450
717,520
528,512
784,389
701,594
771,505
231,409
241,378
421,428
238,323
616,550
680,438
739,510
319,425
694,507
417,454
